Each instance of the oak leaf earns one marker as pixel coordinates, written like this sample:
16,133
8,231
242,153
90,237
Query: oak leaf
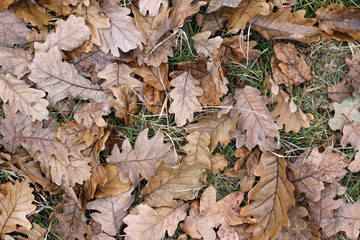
102,236
14,61
126,103
310,172
151,224
21,97
256,119
5,4
12,29
155,76
69,34
93,19
270,198
152,6
197,149
60,79
236,49
144,159
92,112
182,9
123,33
218,162
351,134
286,25
212,22
72,221
207,47
244,13
346,112
209,214
353,76
35,233
340,91
111,211
16,202
154,100
215,5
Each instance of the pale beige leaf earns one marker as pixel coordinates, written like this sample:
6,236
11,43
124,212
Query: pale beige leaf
126,103
111,211
340,91
92,112
353,75
35,233
212,22
102,236
351,134
15,205
123,33
345,112
60,79
185,103
69,34
197,149
151,224
152,6
21,97
310,172
270,198
205,46
218,162
256,119
14,61
12,29
144,159
215,5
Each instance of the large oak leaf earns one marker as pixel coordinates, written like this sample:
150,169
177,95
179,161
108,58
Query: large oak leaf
14,61
12,29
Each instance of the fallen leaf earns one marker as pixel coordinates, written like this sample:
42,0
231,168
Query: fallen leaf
352,77
212,22
12,29
61,8
215,5
125,104
182,9
35,233
237,49
152,6
16,203
345,112
218,162
340,91
207,47
270,198
197,150
351,134
245,13
111,211
92,112
14,61
310,172
69,34
256,119
5,4
338,22
154,100
155,76
151,224
102,236
21,97
50,67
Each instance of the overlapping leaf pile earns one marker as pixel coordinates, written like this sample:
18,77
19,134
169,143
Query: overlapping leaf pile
60,87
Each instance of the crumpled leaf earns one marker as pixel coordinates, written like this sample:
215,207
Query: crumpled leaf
62,79
111,211
286,25
237,49
72,221
14,61
256,119
185,103
212,22
92,112
123,33
69,34
244,13
144,159
16,202
351,134
151,224
154,100
346,112
94,20
35,233
340,91
155,76
341,24
310,172
205,46
292,69
182,9
209,214
270,198
215,5
353,76
126,103
21,97
12,29
152,6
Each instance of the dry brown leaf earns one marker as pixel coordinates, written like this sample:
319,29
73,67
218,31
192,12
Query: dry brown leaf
151,224
12,29
62,163
117,75
292,69
206,47
182,9
102,236
310,172
5,4
184,95
286,4
209,214
123,33
353,76
351,134
16,202
21,97
72,221
33,171
218,162
346,112
14,61
60,7
125,104
237,49
144,159
171,183
90,113
155,76
287,113
256,119
340,91
154,100
35,233
212,22
111,211
215,5
218,128
286,25
69,34
341,24
152,6
93,20
60,79
244,13
197,150
270,198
